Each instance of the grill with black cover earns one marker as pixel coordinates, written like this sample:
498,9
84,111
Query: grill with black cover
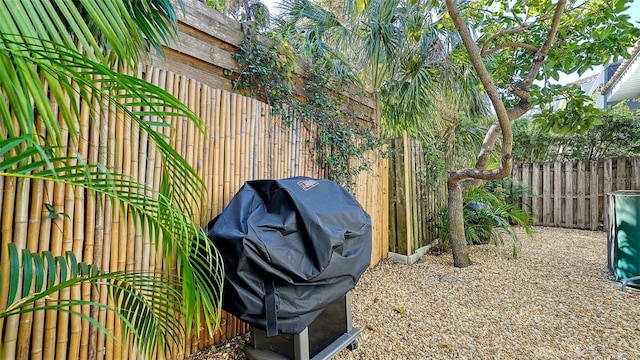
291,248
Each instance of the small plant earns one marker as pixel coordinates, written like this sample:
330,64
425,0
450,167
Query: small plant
489,215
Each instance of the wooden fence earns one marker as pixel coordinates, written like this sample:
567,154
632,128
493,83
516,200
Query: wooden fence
562,194
573,194
414,200
242,141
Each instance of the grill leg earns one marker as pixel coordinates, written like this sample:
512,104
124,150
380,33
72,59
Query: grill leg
301,345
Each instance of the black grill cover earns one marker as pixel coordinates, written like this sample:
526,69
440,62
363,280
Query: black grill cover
290,247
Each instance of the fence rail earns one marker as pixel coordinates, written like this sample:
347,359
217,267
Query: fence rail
572,194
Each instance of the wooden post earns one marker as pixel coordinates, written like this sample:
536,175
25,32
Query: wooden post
547,209
581,201
594,198
384,195
535,194
393,199
407,186
557,194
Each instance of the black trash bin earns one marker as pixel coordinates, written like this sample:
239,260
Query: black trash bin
292,250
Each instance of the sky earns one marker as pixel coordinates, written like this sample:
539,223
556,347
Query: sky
273,4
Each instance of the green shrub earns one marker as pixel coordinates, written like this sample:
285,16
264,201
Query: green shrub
489,215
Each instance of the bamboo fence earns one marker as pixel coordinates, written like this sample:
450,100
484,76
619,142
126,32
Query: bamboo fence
242,141
572,194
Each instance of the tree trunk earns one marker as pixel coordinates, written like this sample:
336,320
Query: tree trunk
456,226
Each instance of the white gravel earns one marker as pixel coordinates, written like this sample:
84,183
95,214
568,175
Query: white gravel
556,300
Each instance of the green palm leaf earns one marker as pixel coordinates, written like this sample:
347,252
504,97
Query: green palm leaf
198,261
128,94
65,52
396,48
143,299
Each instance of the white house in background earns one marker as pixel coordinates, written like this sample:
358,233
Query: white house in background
624,84
592,85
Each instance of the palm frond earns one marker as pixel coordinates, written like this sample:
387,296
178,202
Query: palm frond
55,57
104,28
92,80
202,276
143,299
488,217
67,72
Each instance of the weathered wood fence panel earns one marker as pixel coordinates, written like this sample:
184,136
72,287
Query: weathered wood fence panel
242,141
572,194
415,198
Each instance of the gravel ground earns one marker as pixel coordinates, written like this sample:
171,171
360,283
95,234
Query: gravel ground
556,300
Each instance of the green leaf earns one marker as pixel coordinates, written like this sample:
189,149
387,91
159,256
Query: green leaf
39,272
40,65
51,267
14,273
27,272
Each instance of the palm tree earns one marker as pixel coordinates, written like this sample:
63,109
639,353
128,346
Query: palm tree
403,52
396,49
55,56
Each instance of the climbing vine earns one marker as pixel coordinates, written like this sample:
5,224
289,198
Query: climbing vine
341,140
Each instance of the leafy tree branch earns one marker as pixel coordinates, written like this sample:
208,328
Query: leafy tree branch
511,67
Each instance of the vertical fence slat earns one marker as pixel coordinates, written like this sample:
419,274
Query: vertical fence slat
10,324
569,194
581,200
594,203
526,182
251,173
635,173
517,178
607,186
535,193
557,194
621,178
20,226
547,209
218,153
